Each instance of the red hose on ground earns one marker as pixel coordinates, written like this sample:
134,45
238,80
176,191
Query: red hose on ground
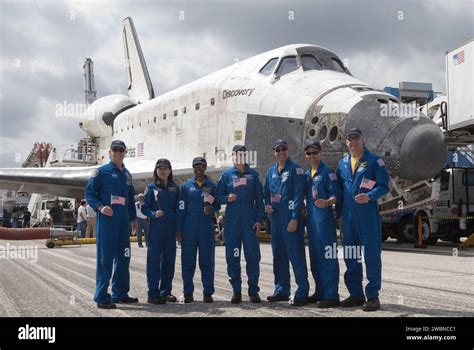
18,234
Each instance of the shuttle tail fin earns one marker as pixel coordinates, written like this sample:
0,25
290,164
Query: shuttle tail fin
139,83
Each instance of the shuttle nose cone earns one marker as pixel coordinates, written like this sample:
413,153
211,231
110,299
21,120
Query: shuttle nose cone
423,153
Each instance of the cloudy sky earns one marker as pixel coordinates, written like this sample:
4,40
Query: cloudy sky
43,45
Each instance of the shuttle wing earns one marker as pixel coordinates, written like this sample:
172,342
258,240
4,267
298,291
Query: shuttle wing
65,182
71,181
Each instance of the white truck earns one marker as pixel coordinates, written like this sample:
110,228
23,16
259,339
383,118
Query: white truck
41,215
448,199
449,217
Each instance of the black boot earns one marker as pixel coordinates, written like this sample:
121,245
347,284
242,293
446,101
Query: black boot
128,300
255,299
353,301
171,298
372,305
106,305
328,303
313,299
236,298
277,297
188,298
299,301
160,300
207,298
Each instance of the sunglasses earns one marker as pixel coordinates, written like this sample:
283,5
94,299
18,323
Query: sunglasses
281,149
116,149
353,138
312,153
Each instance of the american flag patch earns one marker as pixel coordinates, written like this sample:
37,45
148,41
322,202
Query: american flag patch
241,181
366,183
140,149
458,58
208,198
333,176
117,200
380,162
299,171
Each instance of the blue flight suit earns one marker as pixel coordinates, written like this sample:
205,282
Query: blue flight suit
161,248
240,216
197,231
284,191
322,235
361,224
113,232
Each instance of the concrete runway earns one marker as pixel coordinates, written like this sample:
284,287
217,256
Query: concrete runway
61,283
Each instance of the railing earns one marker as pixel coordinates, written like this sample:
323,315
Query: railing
85,155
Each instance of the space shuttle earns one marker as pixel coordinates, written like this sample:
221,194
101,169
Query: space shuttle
295,92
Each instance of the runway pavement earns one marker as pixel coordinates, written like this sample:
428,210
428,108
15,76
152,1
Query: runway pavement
61,283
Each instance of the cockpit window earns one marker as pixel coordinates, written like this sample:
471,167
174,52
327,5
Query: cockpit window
288,64
269,67
337,65
309,62
326,58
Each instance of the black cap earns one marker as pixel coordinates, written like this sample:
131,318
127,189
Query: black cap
117,144
311,143
279,143
239,148
354,131
163,163
199,161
